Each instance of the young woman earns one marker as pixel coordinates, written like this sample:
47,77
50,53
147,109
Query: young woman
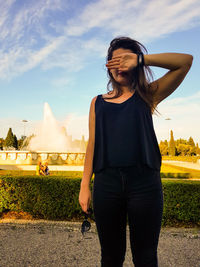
124,155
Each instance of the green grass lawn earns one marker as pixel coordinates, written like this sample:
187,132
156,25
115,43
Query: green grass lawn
165,168
58,173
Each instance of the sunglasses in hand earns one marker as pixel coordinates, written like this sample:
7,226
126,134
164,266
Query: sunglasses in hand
86,225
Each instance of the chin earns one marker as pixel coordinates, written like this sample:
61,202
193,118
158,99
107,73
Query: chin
121,82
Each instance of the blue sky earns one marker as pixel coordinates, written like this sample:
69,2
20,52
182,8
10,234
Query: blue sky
54,51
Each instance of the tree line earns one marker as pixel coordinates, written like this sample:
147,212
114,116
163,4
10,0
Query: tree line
180,147
12,143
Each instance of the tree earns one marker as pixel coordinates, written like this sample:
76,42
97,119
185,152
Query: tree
163,148
1,143
24,141
10,140
183,149
21,141
15,142
172,147
191,142
197,149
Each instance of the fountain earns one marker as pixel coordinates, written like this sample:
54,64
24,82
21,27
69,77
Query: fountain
52,144
50,137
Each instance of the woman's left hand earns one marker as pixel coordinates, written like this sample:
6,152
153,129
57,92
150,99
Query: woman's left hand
123,62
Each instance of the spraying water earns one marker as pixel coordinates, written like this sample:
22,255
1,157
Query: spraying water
50,136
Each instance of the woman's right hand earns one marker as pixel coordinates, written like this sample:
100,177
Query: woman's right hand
123,62
85,198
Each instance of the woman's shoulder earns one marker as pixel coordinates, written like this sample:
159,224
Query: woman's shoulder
94,99
110,94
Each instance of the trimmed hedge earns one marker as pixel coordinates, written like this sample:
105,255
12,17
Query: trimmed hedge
179,175
181,202
56,198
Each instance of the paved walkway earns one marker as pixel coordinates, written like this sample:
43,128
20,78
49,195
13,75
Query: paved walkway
60,244
190,165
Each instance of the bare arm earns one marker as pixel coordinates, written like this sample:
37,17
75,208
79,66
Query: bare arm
88,164
85,194
178,65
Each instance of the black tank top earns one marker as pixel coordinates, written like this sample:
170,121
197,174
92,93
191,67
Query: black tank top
124,134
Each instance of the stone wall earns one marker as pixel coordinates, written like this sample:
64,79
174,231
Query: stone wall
32,158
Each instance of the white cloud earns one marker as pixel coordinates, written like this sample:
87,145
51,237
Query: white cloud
23,37
21,18
18,60
138,19
35,34
94,15
62,82
69,57
5,8
75,54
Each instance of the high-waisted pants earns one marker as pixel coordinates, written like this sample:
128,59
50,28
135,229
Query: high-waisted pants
132,193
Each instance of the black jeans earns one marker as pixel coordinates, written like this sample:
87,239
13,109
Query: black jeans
134,193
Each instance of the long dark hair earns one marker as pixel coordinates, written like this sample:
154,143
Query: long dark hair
141,77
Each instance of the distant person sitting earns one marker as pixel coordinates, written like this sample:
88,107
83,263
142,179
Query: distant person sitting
39,169
46,168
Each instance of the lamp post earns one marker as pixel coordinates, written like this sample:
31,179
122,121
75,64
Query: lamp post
167,119
24,121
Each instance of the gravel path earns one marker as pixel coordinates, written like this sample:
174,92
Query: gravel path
58,244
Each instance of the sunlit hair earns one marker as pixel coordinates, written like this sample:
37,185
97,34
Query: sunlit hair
141,76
